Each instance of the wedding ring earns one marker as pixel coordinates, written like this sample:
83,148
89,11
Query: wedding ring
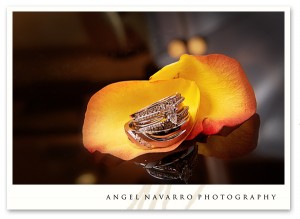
160,124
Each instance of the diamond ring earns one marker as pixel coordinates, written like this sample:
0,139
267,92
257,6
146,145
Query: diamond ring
160,124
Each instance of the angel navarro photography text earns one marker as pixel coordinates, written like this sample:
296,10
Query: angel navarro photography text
205,197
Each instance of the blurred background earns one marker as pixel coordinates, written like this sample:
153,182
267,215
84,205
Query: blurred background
60,59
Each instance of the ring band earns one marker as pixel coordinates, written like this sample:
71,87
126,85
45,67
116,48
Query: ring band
161,106
160,124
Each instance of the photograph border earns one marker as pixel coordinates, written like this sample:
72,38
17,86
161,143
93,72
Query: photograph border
97,197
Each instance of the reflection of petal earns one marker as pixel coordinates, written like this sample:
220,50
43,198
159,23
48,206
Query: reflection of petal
232,142
106,159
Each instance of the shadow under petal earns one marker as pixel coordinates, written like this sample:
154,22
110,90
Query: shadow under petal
232,142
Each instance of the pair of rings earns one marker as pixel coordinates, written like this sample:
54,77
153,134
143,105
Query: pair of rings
160,124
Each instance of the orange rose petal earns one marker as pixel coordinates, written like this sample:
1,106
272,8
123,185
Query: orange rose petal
156,157
109,109
227,98
237,143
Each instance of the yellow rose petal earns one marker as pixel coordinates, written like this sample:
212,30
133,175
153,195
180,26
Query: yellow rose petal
227,97
110,108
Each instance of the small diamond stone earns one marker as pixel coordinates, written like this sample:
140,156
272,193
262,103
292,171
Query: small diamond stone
173,118
171,114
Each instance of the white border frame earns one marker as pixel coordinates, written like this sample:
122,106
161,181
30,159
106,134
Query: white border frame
94,196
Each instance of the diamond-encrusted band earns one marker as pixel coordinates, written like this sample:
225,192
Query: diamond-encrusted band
160,124
165,105
167,124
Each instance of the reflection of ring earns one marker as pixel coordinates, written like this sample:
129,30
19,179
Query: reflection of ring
160,124
178,165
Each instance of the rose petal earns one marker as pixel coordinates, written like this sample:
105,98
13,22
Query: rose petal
227,98
237,143
109,109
